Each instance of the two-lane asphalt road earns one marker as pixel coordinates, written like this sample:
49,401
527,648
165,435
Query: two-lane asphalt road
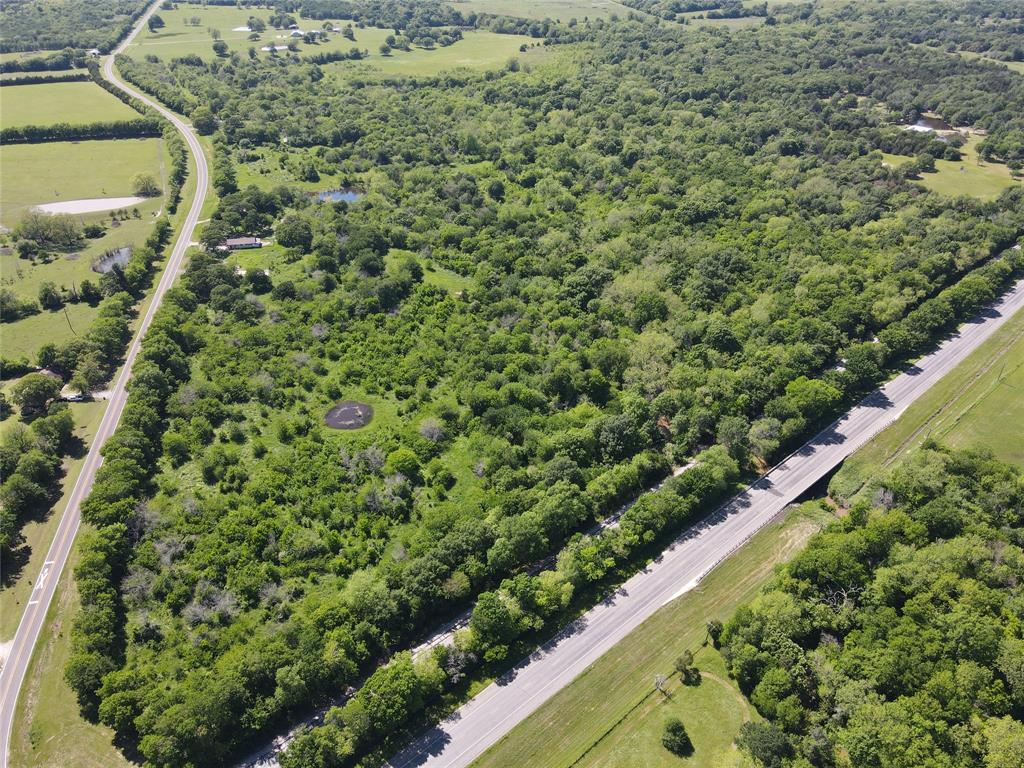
34,617
469,732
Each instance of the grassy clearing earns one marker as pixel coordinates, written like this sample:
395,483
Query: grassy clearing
265,169
712,713
979,403
28,559
48,728
34,174
968,176
698,18
433,274
562,10
607,716
49,103
23,338
1015,66
477,50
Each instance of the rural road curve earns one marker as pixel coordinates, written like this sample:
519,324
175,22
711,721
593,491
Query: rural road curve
470,731
34,617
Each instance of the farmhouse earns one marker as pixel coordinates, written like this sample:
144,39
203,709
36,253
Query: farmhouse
240,243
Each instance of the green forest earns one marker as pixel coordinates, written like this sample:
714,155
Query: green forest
552,284
27,25
895,638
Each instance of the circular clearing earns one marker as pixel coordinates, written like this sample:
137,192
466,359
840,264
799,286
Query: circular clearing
349,414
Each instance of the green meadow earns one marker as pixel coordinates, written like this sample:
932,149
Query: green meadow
49,103
1015,66
544,9
968,176
35,174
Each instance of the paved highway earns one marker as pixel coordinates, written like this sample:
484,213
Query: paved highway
465,735
34,617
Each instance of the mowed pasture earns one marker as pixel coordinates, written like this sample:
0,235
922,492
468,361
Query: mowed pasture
478,49
969,175
562,10
50,103
1014,66
35,174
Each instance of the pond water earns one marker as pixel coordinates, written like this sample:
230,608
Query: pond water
930,124
348,194
109,259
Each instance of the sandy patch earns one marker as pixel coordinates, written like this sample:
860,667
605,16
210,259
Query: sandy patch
91,205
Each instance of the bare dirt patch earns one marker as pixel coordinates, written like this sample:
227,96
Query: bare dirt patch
349,414
90,205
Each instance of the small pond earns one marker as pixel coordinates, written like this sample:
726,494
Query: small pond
109,259
929,124
348,194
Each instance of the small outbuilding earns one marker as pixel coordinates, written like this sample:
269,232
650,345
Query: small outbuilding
240,243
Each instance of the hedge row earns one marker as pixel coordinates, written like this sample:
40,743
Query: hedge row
142,127
137,104
70,77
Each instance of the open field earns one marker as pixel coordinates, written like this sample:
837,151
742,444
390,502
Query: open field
608,716
54,730
49,103
445,279
698,18
23,338
266,172
980,403
712,713
42,173
28,559
477,50
544,9
62,170
178,38
968,176
1016,66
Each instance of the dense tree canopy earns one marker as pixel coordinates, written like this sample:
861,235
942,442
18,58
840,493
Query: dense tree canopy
895,638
